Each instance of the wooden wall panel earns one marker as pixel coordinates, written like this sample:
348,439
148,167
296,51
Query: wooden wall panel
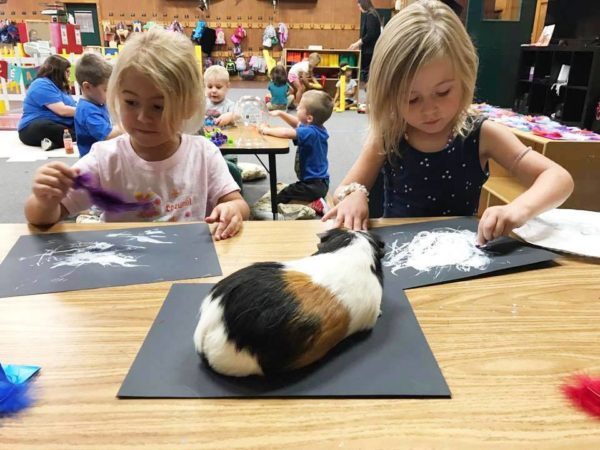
323,13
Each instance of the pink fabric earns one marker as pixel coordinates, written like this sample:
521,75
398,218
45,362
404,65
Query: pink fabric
297,69
292,77
184,187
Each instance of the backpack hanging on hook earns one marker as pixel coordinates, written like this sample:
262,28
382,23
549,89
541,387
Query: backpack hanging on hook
283,33
269,36
220,36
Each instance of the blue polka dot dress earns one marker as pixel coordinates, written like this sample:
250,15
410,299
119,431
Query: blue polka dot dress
443,183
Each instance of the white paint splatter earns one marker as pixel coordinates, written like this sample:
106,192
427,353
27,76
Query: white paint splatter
78,254
436,250
145,237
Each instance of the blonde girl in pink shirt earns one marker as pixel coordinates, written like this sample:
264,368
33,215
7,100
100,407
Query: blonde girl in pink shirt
154,88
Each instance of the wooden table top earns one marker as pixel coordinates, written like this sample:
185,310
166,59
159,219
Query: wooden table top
263,143
505,344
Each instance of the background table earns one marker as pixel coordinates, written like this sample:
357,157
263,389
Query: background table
504,343
266,145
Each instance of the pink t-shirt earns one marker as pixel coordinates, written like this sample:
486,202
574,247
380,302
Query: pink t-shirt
184,187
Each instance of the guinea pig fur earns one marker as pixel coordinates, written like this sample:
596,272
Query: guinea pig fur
274,317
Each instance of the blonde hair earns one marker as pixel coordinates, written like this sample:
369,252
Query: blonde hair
169,61
318,104
418,34
314,59
216,72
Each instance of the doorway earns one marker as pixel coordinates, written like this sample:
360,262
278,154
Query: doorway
86,16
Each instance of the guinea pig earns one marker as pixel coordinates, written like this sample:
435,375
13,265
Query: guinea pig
272,317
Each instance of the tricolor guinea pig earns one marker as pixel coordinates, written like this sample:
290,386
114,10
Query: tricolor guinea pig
274,317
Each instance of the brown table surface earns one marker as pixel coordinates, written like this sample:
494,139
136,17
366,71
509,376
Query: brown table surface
505,344
264,144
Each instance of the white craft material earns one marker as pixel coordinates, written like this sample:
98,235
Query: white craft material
568,230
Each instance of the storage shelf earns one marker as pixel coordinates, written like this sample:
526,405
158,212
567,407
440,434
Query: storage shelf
353,56
574,103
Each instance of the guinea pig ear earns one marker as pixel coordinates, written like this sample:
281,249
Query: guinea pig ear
330,234
333,240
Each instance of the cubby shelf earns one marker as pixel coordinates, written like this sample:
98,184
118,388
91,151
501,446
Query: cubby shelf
539,68
291,56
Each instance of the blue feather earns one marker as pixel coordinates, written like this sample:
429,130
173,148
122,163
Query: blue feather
13,397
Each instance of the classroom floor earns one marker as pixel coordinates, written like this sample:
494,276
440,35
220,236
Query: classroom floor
18,163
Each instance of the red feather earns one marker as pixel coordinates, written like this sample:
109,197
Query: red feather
584,393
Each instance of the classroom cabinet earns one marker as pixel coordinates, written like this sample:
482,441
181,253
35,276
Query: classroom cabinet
541,70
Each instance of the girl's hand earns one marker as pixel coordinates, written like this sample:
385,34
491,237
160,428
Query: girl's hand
229,219
52,181
275,113
500,221
351,213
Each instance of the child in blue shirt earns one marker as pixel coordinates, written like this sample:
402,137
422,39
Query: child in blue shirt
309,134
281,96
92,120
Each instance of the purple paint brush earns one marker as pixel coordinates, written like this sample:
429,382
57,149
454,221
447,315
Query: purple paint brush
107,201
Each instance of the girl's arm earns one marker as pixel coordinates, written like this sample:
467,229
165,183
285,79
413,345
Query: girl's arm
61,109
353,211
366,168
549,184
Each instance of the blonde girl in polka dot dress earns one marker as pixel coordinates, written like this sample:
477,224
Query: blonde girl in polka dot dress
434,153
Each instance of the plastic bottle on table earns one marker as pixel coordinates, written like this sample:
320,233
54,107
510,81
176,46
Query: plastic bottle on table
68,142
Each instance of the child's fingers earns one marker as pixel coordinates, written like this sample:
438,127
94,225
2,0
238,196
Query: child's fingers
329,214
349,222
365,224
64,178
232,228
221,228
214,216
59,186
485,231
60,168
499,228
40,190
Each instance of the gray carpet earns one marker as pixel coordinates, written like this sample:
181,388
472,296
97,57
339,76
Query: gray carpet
347,131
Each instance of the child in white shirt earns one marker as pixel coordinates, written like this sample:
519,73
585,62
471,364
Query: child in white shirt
154,88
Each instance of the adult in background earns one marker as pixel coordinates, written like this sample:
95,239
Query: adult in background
48,107
371,26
